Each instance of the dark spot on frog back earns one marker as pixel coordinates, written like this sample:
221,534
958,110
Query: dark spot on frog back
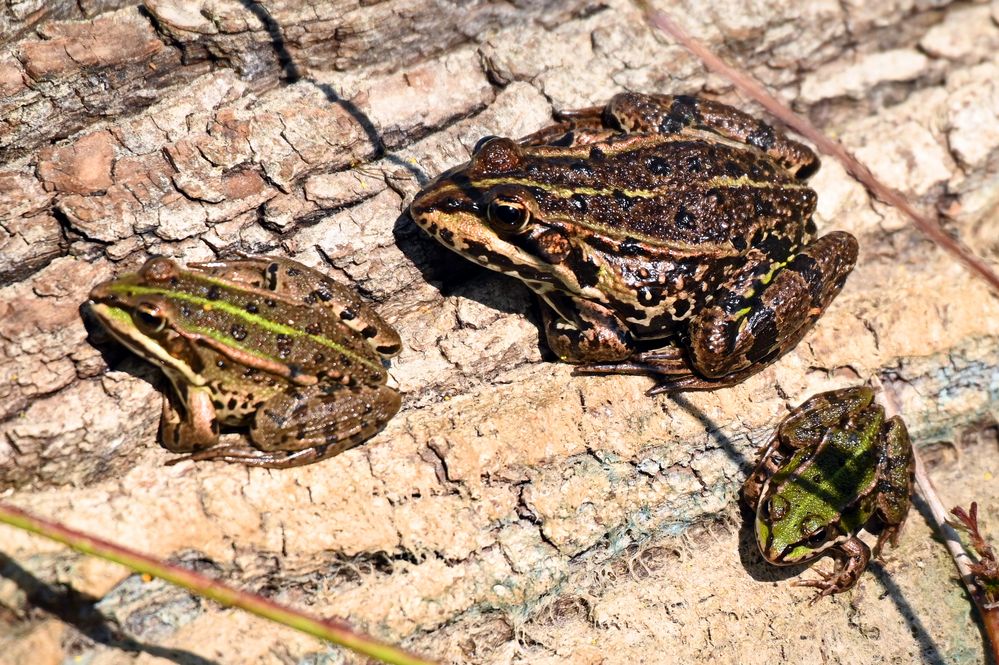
734,169
649,296
812,274
322,293
683,112
564,141
778,247
762,137
762,205
284,344
684,219
659,166
624,201
631,246
680,308
765,344
271,272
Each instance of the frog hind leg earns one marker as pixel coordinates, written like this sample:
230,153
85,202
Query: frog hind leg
852,557
683,114
310,425
766,310
895,482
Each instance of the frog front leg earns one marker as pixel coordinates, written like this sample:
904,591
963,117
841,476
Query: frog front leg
310,424
581,331
852,557
764,310
188,424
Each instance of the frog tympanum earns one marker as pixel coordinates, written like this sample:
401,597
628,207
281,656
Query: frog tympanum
665,235
258,341
833,467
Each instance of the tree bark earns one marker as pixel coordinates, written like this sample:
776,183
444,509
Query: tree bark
512,512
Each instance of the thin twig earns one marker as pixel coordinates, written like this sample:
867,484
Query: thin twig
332,630
883,192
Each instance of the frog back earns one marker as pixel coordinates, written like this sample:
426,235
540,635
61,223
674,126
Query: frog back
676,195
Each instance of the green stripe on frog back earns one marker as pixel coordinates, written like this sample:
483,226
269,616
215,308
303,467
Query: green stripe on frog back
240,313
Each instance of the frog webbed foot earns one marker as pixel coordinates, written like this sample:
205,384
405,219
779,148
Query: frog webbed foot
888,535
669,365
852,557
241,453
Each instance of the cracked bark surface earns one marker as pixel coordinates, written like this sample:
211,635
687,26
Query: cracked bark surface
512,512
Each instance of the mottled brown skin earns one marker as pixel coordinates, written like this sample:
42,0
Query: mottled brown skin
666,235
258,341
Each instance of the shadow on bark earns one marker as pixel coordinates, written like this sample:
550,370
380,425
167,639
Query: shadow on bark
79,610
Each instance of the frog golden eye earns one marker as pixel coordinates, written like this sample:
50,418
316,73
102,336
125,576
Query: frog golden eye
149,317
508,215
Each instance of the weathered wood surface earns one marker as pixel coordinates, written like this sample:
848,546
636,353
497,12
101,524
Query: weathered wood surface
501,516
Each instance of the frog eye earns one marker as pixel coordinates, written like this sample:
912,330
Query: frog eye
508,215
149,317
